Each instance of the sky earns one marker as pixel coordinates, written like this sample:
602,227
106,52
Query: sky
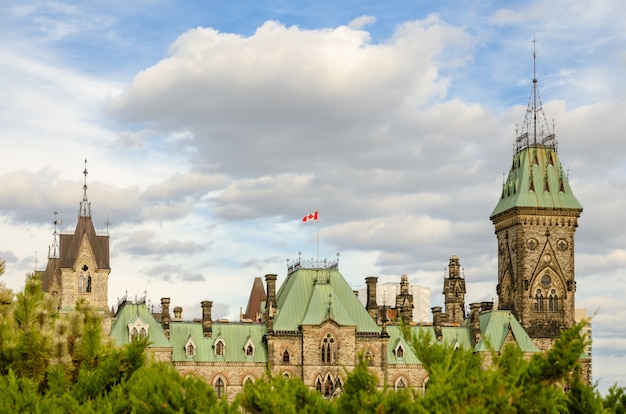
211,128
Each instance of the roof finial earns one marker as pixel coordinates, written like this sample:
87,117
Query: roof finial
531,132
85,206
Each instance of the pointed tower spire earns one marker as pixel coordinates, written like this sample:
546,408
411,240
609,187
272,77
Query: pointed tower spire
85,206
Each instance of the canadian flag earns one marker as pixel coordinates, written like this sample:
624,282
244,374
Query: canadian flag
309,217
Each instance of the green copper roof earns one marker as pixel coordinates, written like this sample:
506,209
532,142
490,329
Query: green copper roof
495,326
234,335
536,179
129,313
311,296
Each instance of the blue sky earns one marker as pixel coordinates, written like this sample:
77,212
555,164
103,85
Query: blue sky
211,128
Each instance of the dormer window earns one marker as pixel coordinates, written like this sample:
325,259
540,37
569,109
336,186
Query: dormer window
219,347
399,351
137,330
249,348
190,348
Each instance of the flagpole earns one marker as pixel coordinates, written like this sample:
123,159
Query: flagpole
318,237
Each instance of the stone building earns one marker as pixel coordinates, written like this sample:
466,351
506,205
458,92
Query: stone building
314,325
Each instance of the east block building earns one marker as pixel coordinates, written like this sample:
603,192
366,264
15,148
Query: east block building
314,326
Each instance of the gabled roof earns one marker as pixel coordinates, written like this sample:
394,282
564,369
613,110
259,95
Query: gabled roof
234,335
536,179
129,313
69,244
496,326
312,296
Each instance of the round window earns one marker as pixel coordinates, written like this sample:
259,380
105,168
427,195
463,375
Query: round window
546,280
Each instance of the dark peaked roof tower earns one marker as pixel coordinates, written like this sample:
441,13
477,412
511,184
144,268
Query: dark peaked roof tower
82,266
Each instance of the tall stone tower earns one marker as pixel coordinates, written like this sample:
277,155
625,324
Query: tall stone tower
535,221
454,292
80,268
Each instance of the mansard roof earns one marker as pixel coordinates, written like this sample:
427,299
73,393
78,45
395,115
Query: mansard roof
311,296
536,179
69,244
235,336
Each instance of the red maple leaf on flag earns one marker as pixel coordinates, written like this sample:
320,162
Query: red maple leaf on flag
309,217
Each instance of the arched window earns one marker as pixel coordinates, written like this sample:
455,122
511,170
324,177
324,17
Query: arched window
318,385
220,387
329,387
286,357
88,284
143,333
328,350
538,302
81,283
400,384
400,352
368,358
190,350
249,351
553,301
219,348
133,334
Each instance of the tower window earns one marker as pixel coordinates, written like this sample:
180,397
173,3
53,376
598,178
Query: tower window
553,301
538,302
328,350
286,357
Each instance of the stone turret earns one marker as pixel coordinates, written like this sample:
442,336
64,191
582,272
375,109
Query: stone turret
454,292
404,301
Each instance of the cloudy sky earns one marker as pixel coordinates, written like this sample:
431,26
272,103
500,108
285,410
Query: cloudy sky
211,128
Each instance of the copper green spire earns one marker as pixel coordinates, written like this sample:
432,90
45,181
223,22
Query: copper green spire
536,177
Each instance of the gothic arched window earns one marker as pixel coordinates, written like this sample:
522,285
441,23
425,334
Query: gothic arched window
538,301
81,283
286,356
249,350
553,302
190,350
400,352
88,284
400,385
220,387
328,350
219,348
368,358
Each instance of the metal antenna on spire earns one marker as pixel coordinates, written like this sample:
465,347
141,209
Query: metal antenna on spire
531,132
534,90
85,205
55,243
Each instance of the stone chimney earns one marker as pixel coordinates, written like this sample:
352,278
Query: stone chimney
207,323
178,311
270,280
486,306
474,323
165,316
437,316
371,306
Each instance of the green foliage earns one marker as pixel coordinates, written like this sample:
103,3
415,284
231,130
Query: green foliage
615,400
276,394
